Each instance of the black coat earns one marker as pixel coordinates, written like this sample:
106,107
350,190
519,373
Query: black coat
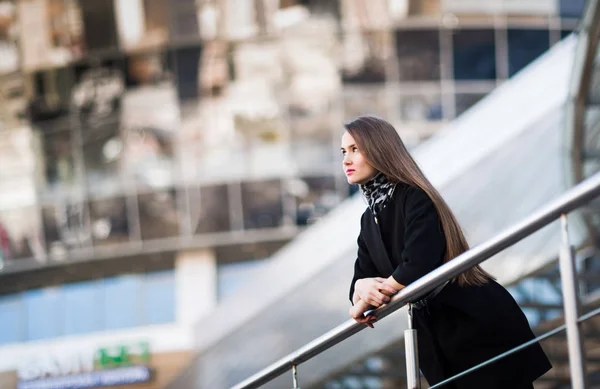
461,326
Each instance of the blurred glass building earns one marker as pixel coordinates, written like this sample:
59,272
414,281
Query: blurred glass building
153,153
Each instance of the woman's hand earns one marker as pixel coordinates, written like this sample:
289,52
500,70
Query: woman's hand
374,291
357,313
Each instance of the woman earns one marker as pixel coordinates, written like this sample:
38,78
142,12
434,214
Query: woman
407,231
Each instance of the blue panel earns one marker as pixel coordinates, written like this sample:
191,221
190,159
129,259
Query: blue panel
121,302
524,46
11,309
160,297
45,311
474,53
571,8
82,307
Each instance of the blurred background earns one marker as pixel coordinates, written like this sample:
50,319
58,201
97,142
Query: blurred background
172,202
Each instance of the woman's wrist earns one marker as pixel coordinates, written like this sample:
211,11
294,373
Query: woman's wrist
391,281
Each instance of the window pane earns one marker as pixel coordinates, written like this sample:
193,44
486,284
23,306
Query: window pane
59,162
183,20
159,297
262,204
142,24
20,234
474,54
150,119
159,214
66,227
209,209
465,101
565,33
61,20
185,63
82,301
99,24
420,107
45,310
108,221
8,39
97,99
524,46
11,319
122,302
314,197
418,54
571,8
364,57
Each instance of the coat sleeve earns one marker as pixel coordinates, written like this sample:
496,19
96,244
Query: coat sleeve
424,241
363,266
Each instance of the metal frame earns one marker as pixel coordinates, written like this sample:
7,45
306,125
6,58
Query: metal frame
569,201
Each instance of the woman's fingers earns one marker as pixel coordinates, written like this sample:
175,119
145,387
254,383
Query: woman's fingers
366,320
387,289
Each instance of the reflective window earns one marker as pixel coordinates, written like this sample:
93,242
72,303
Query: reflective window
44,309
61,34
97,97
185,63
142,24
565,33
209,207
524,46
571,8
365,57
159,297
9,51
183,19
465,101
20,234
99,24
159,215
58,145
149,121
108,221
420,107
122,302
11,319
82,300
418,54
262,204
474,53
66,227
314,197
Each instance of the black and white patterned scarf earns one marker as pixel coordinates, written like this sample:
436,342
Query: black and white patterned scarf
378,191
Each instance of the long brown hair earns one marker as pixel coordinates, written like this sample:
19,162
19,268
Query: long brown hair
382,147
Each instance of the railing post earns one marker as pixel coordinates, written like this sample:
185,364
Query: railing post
295,376
570,293
412,354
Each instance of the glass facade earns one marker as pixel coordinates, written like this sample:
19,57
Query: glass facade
134,122
92,306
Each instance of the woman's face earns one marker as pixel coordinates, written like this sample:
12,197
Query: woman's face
356,167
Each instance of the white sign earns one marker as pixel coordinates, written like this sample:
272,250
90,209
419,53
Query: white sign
56,365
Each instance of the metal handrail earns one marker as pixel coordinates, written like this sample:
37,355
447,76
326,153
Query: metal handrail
565,203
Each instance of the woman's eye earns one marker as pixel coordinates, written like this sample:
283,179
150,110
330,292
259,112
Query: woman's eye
355,149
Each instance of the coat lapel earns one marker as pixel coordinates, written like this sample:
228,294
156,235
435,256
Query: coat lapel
379,255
